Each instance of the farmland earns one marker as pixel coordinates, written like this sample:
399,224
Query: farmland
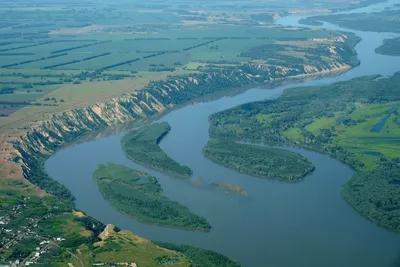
49,56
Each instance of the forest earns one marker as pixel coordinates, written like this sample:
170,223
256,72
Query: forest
390,47
142,146
356,122
139,195
260,161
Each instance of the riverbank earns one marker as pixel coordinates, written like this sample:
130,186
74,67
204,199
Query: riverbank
355,122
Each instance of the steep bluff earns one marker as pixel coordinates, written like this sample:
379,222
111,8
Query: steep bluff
41,141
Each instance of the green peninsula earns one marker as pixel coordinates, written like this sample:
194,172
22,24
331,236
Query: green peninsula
357,122
138,195
142,146
264,162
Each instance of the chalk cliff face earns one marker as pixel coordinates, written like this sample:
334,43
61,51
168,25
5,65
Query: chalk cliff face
41,141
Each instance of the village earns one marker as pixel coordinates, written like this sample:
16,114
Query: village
20,241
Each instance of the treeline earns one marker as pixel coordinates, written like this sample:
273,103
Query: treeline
38,176
24,46
120,64
79,47
199,45
141,146
159,51
76,61
138,195
17,54
33,60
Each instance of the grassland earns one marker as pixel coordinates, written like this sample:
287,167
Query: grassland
139,195
356,122
142,146
259,161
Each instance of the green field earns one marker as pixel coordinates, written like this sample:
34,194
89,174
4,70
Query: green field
54,45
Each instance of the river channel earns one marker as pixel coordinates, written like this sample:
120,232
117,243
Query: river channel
306,224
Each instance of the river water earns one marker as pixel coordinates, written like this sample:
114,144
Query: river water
278,224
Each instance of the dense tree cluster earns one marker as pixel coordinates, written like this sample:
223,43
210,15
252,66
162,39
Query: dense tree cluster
259,161
141,146
138,195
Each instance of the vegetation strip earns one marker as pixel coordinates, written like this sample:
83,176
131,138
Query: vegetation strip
79,47
142,146
33,60
24,46
76,61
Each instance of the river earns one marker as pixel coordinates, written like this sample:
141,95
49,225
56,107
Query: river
277,224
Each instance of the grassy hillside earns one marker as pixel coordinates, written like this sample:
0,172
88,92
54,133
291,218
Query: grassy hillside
259,161
139,195
141,146
356,122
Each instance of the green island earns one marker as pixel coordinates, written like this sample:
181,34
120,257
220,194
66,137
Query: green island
357,122
231,188
310,22
390,47
142,146
260,161
385,21
138,195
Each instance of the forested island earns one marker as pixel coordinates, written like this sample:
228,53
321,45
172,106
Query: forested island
357,122
260,161
390,47
141,146
138,195
311,22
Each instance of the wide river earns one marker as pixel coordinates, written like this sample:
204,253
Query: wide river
278,224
